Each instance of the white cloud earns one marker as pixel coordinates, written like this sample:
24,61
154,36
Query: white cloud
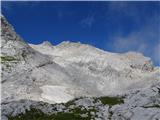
144,40
88,21
9,5
156,54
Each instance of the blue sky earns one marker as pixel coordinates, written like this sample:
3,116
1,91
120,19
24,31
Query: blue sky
112,26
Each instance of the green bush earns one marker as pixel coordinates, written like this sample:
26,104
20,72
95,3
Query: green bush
35,114
111,100
7,58
152,106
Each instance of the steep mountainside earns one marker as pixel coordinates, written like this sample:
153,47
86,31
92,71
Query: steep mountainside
57,74
24,70
94,69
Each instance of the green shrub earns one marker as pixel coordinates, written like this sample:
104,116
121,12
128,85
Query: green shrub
32,114
7,58
69,103
35,114
111,100
67,116
152,106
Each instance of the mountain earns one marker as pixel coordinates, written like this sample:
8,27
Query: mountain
78,72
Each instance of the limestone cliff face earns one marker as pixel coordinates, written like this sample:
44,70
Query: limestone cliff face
56,74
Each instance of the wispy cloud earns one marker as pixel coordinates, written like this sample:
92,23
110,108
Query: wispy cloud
139,42
88,21
156,54
8,5
146,39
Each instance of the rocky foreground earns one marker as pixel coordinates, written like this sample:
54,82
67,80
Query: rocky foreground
74,81
139,105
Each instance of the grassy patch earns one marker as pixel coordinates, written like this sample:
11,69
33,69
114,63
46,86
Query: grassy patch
32,114
152,106
69,103
67,116
35,114
7,58
111,100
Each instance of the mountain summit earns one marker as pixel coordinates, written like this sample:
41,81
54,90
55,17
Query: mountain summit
57,74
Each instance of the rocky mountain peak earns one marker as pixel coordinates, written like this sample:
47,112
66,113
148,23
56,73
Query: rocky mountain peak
7,31
46,43
68,43
6,27
12,44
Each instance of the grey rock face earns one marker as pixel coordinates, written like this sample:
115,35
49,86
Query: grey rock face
140,105
57,74
24,70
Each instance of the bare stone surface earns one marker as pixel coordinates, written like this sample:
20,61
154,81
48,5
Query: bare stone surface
32,73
